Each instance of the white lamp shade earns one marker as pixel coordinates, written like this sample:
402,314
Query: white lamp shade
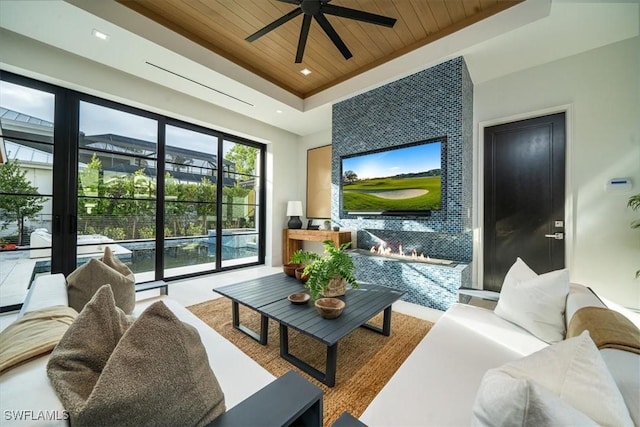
294,208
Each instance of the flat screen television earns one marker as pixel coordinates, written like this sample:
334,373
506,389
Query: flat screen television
400,180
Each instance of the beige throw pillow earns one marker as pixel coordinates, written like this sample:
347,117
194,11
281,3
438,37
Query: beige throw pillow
158,373
112,261
77,361
89,277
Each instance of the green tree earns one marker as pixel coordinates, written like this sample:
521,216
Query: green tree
91,192
19,199
231,194
244,158
349,176
130,197
206,197
175,210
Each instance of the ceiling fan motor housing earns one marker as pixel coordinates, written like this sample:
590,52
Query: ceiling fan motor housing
311,7
316,9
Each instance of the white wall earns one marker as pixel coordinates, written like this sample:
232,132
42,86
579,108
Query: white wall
602,90
27,57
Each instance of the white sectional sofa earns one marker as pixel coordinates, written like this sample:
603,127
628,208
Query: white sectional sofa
438,383
27,388
435,386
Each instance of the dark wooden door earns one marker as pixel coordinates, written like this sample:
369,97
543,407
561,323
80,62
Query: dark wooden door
524,191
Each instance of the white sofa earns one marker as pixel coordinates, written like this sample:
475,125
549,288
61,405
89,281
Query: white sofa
27,388
437,384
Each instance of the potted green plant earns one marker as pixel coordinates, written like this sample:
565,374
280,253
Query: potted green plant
329,273
634,203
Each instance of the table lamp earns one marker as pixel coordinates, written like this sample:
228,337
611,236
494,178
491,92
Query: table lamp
294,211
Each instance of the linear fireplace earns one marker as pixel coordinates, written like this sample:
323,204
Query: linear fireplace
400,255
421,268
431,285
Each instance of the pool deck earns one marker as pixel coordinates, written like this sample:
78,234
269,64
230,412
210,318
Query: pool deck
16,269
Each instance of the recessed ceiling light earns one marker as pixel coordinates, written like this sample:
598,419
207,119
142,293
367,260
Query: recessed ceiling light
305,71
100,34
279,111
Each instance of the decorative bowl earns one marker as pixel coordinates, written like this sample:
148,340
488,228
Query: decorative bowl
290,269
329,308
299,298
300,276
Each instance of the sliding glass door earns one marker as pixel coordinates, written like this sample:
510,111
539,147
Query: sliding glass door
190,194
117,180
79,173
240,203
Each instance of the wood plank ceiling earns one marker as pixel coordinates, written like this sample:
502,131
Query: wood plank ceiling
222,26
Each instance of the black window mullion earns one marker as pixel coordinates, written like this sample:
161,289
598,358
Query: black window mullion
160,168
65,183
262,217
219,186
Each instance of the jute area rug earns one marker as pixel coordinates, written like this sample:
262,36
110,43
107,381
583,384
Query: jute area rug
366,360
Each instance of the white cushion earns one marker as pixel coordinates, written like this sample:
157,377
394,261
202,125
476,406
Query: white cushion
579,296
535,303
437,384
625,370
27,388
522,392
46,291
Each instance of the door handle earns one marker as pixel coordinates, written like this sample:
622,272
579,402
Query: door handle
56,224
557,236
73,224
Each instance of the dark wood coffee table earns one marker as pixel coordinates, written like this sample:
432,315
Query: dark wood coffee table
268,296
255,294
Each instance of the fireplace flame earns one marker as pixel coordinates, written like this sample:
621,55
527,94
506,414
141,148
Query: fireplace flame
384,250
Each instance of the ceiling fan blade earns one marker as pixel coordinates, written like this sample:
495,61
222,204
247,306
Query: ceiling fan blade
302,41
296,2
358,15
275,24
335,38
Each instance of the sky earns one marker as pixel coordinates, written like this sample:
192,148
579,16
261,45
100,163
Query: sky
412,159
97,120
28,101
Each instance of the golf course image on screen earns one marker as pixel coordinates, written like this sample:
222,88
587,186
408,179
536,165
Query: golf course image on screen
407,178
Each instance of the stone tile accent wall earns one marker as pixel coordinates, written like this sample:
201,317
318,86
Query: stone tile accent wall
437,102
430,285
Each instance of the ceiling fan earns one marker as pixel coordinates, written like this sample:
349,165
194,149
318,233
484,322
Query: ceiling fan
317,9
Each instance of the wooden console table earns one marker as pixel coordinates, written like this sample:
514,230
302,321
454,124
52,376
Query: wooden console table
292,239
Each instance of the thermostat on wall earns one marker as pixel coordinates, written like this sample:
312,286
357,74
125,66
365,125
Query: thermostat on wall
619,184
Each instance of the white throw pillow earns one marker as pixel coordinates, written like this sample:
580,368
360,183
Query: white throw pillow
503,401
519,272
562,384
535,303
